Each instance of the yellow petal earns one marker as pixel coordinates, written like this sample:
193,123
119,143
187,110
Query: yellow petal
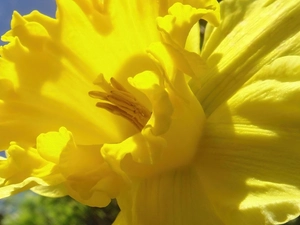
163,144
24,169
51,144
45,57
244,43
74,50
24,185
88,178
190,63
114,38
47,71
250,153
52,191
176,26
32,96
263,196
173,107
173,198
271,97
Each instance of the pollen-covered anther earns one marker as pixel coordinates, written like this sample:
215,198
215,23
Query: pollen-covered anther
117,100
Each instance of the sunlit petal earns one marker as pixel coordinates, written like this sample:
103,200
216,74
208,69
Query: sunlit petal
244,43
250,154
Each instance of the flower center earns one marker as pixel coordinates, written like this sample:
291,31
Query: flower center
117,100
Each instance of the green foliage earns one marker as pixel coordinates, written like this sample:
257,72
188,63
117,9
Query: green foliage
38,210
30,209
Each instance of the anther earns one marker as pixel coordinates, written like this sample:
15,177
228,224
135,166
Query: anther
119,101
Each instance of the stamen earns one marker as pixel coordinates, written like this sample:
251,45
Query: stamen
119,101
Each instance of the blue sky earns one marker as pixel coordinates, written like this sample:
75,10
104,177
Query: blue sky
24,7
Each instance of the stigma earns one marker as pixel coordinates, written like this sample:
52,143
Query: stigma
117,100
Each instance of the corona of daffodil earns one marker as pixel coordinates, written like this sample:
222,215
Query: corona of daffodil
112,99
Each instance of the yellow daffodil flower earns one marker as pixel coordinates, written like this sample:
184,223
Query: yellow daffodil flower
97,104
